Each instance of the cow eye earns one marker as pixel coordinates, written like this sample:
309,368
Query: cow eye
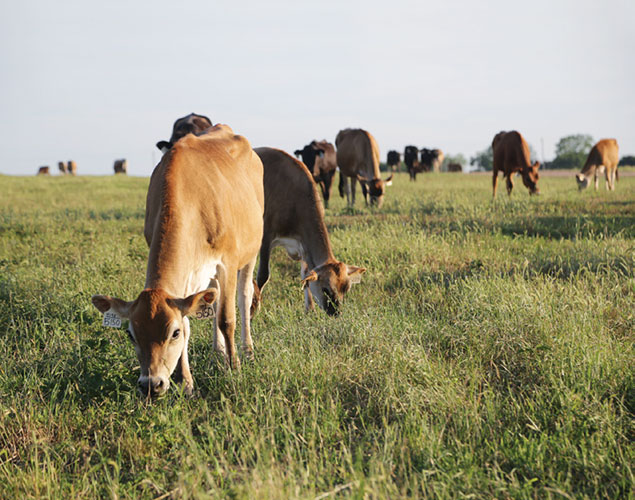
176,333
130,336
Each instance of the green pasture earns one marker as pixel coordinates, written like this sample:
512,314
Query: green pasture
487,353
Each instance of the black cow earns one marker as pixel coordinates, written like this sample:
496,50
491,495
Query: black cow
393,160
190,124
411,159
319,157
431,160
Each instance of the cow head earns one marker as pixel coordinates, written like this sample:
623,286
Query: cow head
190,124
376,188
157,331
329,282
530,178
582,180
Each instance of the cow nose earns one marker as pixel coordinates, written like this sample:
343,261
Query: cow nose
151,386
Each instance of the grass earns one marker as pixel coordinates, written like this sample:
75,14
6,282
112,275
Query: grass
487,353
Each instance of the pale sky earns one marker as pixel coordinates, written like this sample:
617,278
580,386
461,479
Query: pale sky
95,81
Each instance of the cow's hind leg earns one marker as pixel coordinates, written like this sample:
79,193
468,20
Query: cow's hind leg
495,182
226,316
245,296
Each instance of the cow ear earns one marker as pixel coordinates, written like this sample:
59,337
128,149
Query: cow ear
104,303
361,178
312,276
196,302
164,146
388,182
355,273
297,152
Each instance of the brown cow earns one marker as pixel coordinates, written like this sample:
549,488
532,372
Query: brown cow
121,166
604,157
358,159
203,225
455,167
62,167
294,219
71,167
320,159
44,171
190,124
511,155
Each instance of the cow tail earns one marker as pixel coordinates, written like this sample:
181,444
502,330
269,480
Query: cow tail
617,174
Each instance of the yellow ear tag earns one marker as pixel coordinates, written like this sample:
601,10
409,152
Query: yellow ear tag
112,319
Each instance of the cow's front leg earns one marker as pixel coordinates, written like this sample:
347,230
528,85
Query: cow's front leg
183,374
495,182
308,298
510,184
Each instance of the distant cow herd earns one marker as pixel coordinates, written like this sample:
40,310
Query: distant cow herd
214,205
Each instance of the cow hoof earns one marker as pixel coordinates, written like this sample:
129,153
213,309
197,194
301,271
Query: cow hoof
188,388
248,355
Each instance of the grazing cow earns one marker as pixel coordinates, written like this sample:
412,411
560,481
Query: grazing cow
294,219
190,124
320,159
511,155
393,160
62,167
604,157
411,159
431,160
358,159
121,166
455,167
44,171
71,167
203,225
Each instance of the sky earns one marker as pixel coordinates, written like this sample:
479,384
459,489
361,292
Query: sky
96,81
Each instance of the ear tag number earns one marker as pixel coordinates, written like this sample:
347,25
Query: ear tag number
112,319
205,312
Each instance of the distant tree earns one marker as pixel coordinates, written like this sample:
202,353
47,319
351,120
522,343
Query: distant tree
628,160
483,160
572,150
459,158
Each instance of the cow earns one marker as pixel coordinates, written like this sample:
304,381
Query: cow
358,159
455,167
121,166
190,124
71,167
320,159
203,225
603,157
511,155
294,219
431,160
393,160
62,167
411,159
44,171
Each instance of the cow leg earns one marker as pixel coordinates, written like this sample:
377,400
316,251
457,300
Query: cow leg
495,182
596,180
342,185
326,188
308,298
364,192
613,175
226,315
245,297
263,265
510,184
182,372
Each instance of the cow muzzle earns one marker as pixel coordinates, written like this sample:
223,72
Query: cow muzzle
152,386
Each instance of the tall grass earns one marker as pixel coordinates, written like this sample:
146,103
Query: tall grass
488,352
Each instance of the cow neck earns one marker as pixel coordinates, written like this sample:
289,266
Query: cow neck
315,241
171,245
